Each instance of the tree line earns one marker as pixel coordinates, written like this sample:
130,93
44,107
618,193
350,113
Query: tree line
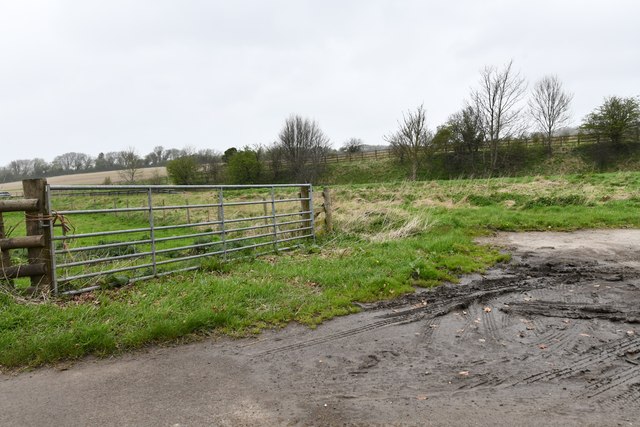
73,162
299,154
500,108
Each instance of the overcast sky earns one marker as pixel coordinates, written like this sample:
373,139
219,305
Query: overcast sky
94,76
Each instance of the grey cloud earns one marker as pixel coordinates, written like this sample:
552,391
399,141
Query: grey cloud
97,76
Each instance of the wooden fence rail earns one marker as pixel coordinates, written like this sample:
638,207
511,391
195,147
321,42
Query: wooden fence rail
38,223
559,144
19,205
22,242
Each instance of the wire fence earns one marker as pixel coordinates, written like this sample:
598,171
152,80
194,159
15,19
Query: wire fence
116,234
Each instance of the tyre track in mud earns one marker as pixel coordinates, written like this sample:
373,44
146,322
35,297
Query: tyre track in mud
598,355
489,324
439,302
561,341
429,331
631,396
471,319
569,310
611,383
442,300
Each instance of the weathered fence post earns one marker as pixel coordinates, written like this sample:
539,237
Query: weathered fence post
39,223
328,215
5,257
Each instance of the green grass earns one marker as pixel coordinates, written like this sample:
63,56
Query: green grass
390,237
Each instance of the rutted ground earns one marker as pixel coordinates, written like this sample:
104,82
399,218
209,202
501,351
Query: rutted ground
551,338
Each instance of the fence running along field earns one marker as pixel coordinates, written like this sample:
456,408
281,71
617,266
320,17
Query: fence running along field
111,235
561,144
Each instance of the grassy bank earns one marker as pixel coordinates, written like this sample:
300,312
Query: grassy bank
389,238
517,161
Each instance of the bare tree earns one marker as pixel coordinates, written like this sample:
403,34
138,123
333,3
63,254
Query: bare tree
70,162
130,163
112,159
275,159
497,100
549,107
81,162
40,167
21,168
304,148
210,164
172,154
159,155
5,174
412,139
156,157
352,146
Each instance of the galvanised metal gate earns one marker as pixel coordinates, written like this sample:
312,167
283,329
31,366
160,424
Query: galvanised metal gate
113,234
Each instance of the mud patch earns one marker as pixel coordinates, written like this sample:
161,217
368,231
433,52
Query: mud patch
555,330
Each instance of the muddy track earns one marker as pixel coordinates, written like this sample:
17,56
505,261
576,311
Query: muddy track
429,304
541,325
425,306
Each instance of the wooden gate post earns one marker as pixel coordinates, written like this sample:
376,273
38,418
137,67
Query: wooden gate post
5,257
38,223
328,215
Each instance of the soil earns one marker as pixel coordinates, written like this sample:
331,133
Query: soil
551,338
